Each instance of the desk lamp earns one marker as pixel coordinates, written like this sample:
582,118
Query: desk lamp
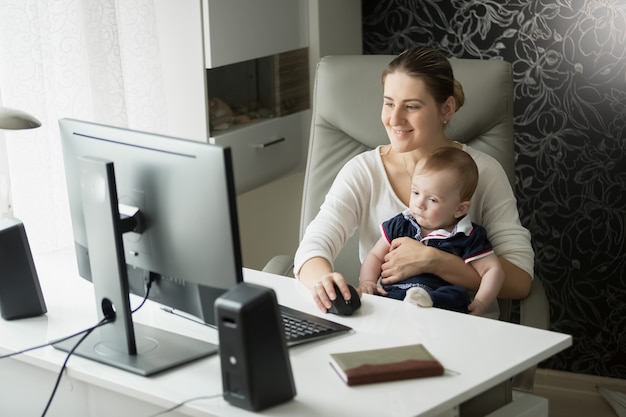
20,292
13,119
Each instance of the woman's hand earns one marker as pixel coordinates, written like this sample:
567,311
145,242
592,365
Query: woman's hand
406,258
324,290
318,276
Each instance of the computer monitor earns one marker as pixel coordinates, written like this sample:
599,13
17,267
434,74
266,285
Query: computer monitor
147,207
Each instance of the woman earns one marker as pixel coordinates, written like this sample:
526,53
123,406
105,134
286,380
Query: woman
420,96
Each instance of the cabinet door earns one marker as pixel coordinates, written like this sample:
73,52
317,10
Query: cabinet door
179,30
241,30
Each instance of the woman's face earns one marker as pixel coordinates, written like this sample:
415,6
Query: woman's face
410,114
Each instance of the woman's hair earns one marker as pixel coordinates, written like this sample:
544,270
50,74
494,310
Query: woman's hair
454,160
433,68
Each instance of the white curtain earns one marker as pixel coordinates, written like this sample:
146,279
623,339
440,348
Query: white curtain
95,60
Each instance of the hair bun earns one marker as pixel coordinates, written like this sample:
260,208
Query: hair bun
459,94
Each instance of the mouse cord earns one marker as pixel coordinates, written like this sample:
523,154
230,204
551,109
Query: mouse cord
67,358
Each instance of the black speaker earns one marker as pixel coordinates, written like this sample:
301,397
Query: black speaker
20,293
256,371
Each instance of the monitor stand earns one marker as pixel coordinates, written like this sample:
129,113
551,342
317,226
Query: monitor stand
136,348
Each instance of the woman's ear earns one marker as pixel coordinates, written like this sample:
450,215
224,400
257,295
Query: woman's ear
462,209
448,109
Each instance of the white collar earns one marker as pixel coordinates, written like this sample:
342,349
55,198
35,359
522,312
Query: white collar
463,226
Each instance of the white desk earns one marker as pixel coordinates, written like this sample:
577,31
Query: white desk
479,353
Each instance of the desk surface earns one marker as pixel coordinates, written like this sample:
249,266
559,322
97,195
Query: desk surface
477,353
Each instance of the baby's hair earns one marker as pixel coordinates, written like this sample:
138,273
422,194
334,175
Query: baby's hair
456,161
433,68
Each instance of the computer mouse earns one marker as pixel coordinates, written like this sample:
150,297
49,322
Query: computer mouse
343,307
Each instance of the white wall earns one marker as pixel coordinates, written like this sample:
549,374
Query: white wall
269,219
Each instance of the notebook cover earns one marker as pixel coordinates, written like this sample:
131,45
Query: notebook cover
387,364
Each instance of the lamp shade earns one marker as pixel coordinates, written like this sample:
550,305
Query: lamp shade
14,119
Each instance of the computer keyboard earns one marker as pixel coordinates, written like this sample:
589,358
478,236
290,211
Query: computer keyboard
301,327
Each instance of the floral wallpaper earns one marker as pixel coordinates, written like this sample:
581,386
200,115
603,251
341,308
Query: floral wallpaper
569,65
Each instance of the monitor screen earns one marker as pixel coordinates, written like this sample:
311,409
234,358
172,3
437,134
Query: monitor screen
179,197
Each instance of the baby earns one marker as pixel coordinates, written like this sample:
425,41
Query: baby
442,186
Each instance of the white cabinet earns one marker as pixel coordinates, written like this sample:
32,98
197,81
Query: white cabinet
241,30
195,35
243,38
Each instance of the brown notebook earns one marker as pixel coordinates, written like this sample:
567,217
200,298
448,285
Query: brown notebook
387,364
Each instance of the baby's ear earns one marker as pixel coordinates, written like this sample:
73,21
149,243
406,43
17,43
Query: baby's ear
462,209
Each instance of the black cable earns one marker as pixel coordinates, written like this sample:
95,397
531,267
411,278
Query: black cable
53,342
63,339
67,358
205,397
145,297
87,333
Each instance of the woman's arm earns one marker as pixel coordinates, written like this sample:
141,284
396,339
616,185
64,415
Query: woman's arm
516,283
358,198
495,207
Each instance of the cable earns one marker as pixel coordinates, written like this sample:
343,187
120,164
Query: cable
205,397
63,339
67,358
151,279
189,317
107,319
52,342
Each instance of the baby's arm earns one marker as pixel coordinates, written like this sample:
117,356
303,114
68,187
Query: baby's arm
371,267
492,277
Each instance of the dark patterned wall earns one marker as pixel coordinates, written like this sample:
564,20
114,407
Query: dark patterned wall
569,60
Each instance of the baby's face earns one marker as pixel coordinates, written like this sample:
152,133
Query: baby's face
435,199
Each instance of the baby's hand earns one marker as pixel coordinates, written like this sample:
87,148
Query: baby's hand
476,308
368,287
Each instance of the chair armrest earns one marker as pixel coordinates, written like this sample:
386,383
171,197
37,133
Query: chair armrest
280,265
534,312
534,309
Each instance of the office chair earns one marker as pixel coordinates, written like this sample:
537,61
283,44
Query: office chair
347,100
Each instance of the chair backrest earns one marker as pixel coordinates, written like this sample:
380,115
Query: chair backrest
347,101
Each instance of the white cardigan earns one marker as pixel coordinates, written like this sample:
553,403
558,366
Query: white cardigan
361,198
